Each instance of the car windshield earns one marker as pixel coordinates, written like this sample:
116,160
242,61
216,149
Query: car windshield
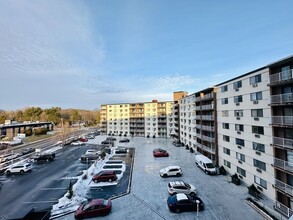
210,165
187,185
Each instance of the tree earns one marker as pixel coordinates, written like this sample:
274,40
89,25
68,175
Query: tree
32,113
3,116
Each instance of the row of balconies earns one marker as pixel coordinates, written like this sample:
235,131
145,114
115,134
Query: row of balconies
205,117
282,120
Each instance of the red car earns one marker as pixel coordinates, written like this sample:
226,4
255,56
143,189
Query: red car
160,153
94,208
105,176
83,139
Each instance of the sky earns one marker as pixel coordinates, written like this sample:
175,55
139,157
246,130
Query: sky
84,53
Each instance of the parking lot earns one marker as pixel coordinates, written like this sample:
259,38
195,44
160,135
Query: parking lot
148,195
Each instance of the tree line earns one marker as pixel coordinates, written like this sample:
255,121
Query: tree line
55,114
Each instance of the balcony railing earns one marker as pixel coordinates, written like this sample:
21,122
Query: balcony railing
284,165
283,142
282,120
284,187
282,98
208,96
207,138
207,107
207,117
282,76
283,209
208,128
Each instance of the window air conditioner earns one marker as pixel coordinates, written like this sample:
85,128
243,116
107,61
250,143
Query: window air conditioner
255,102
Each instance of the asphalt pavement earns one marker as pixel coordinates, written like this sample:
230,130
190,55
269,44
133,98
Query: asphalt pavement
148,194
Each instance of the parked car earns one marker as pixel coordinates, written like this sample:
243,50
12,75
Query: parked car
160,153
27,151
92,151
19,168
111,139
105,176
7,157
183,203
94,208
105,142
171,171
177,143
88,157
181,187
121,151
44,157
125,140
83,139
77,143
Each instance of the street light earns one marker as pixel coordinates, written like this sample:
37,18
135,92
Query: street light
197,208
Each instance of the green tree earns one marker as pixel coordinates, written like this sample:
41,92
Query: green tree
53,114
32,113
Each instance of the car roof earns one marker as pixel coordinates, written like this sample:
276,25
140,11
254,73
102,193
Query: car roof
97,202
173,167
177,183
107,171
181,196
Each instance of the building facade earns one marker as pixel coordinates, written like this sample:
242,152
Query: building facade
281,103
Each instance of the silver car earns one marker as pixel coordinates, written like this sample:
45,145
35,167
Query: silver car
175,187
171,171
19,168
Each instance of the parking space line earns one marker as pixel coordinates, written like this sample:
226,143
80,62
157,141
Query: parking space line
60,188
53,201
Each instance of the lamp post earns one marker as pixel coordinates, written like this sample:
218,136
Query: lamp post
197,208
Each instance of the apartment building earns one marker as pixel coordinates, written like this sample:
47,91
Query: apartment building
244,131
150,119
187,121
281,103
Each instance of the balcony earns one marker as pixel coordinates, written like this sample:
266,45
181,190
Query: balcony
282,99
207,138
284,187
207,107
283,142
280,77
207,117
208,96
282,120
282,164
283,209
208,128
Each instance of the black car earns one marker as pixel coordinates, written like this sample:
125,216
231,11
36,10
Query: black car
125,140
44,157
105,142
27,150
184,203
111,139
176,143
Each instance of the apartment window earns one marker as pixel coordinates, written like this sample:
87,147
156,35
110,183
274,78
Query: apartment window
224,101
237,85
259,164
240,156
238,113
238,99
256,112
255,79
225,125
224,88
260,182
226,151
227,163
241,171
239,127
226,138
257,130
240,142
258,147
256,96
225,113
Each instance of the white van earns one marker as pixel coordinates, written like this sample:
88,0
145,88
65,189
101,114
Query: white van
205,164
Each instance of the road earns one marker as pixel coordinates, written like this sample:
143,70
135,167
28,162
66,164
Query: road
43,186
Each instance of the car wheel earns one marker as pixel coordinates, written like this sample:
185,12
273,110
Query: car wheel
178,174
21,172
192,194
8,173
165,175
177,210
110,180
95,181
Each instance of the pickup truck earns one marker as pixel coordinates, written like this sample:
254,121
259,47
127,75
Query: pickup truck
44,157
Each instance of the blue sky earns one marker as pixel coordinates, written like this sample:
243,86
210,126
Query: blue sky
81,54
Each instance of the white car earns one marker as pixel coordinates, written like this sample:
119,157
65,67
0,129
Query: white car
77,143
19,168
92,152
175,187
171,171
